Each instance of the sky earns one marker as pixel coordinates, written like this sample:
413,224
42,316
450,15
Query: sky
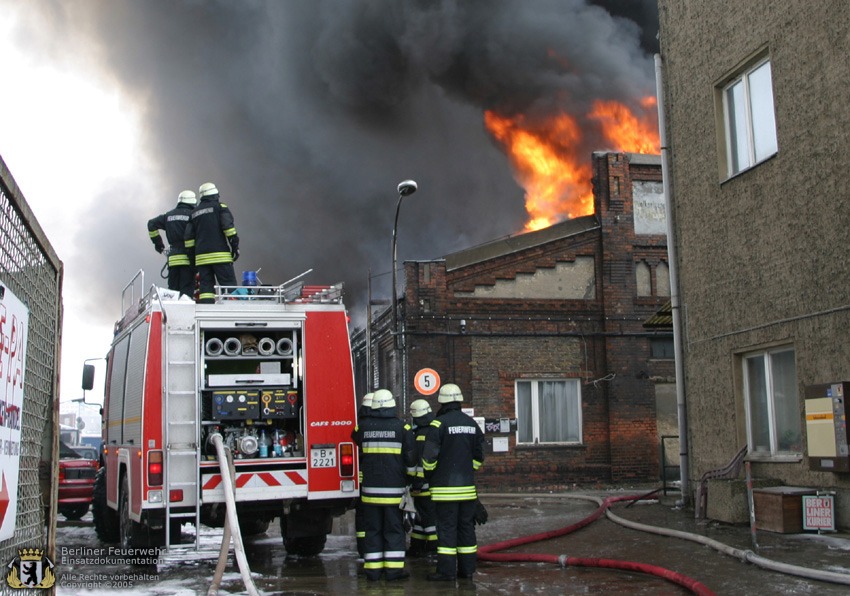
306,116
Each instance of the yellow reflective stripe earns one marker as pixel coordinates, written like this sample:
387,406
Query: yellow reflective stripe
381,500
390,450
189,243
393,564
446,550
453,493
373,565
476,464
178,260
211,258
420,438
361,534
467,550
154,234
230,232
428,466
407,427
436,423
206,295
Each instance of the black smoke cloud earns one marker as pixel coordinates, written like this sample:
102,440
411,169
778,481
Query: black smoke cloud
307,114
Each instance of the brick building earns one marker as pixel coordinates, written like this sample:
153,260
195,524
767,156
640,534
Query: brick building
544,333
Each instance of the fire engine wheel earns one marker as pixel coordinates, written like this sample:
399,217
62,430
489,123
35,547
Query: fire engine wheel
252,527
302,546
105,519
74,512
134,535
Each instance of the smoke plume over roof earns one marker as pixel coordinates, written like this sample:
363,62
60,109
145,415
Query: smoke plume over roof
306,115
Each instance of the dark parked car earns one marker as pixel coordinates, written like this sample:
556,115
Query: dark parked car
76,481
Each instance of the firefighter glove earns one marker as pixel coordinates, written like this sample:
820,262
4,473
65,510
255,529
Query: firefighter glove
481,515
158,245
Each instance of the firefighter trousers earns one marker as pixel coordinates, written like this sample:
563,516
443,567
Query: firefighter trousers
181,278
457,550
423,538
384,542
359,530
210,274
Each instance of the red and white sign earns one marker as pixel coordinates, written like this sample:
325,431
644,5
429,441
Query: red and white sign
14,317
818,513
426,381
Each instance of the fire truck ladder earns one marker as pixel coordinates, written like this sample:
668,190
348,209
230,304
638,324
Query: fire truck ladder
182,448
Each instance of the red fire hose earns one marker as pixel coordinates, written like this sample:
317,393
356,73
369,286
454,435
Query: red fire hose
487,553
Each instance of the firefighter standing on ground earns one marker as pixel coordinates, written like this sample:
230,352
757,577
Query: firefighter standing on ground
423,538
363,412
386,447
212,234
454,450
181,272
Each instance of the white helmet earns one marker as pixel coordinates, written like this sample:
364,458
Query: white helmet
449,393
419,408
383,398
207,189
188,197
367,400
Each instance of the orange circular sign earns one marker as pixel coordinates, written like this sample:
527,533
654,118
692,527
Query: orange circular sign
427,381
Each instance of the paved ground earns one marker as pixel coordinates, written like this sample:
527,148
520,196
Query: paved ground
336,570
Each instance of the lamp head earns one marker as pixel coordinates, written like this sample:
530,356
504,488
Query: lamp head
407,188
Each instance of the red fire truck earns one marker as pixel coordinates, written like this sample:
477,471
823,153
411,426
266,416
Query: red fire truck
269,369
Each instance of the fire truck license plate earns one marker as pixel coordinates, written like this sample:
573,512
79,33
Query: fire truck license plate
323,458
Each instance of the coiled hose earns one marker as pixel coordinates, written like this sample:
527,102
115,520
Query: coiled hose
488,553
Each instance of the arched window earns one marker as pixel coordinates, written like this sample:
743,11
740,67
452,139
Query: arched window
643,279
662,279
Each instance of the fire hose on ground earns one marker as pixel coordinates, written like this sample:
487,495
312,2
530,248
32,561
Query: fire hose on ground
488,552
231,524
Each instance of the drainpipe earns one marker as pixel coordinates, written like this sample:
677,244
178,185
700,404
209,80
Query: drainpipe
672,257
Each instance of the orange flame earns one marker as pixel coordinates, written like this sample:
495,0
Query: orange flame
557,184
556,180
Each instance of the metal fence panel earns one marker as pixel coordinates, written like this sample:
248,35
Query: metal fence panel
31,270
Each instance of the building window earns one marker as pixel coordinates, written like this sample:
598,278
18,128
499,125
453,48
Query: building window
643,279
661,349
748,115
548,411
772,403
662,279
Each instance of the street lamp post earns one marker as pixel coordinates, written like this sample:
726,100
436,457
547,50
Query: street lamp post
405,189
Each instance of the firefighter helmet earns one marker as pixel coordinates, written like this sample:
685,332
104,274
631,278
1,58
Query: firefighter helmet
367,400
188,197
383,398
207,189
419,408
449,393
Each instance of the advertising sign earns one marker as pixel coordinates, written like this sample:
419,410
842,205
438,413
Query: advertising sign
14,317
819,513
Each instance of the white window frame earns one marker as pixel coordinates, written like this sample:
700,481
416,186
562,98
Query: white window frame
535,410
766,356
750,159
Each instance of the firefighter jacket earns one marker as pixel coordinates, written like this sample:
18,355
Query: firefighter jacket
420,486
454,450
174,223
386,455
212,233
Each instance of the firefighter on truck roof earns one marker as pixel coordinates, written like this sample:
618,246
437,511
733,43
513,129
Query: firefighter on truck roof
212,234
181,272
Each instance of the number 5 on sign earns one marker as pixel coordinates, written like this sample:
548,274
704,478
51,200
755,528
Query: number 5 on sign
426,381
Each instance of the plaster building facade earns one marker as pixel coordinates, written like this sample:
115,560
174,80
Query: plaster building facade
544,333
757,120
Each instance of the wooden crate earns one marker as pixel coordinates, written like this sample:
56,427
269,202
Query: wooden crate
780,508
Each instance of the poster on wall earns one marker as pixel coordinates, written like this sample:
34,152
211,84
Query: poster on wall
14,317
